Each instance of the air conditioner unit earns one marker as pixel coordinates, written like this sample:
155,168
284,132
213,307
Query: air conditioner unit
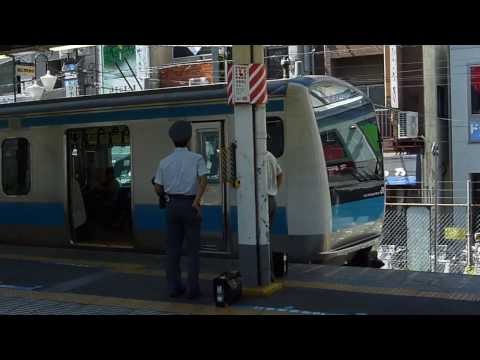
198,81
407,125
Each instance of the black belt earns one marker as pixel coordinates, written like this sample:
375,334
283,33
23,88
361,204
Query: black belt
180,196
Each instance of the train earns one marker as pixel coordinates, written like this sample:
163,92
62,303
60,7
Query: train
322,130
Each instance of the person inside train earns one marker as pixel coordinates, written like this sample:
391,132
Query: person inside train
108,185
106,192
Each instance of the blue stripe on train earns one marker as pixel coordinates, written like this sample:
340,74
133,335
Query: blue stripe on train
39,214
141,114
151,217
359,212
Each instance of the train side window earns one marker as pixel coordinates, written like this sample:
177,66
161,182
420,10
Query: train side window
275,140
16,166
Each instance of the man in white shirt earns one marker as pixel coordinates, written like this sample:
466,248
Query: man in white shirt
274,181
182,176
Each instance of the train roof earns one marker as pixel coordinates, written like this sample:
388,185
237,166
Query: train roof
177,94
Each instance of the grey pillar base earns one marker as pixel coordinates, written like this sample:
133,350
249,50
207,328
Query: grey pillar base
248,265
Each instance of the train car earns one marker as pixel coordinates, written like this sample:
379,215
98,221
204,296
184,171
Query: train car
323,131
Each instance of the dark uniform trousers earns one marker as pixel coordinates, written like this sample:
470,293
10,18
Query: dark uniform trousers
272,207
183,222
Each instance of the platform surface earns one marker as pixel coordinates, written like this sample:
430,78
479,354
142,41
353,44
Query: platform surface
35,280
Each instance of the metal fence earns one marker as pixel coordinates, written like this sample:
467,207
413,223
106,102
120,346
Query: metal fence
432,230
385,123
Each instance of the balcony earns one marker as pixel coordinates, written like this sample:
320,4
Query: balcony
387,120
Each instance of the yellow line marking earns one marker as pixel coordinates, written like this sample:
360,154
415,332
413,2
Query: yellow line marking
383,291
167,307
263,291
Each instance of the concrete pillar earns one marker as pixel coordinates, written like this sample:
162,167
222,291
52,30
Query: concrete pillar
216,64
159,55
307,57
253,233
327,60
430,119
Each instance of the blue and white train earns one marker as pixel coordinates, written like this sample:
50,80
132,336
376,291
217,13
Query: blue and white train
322,130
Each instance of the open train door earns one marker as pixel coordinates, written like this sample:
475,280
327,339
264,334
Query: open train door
208,139
99,181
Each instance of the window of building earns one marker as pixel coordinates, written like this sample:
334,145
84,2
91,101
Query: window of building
275,138
442,101
474,123
475,89
16,166
273,57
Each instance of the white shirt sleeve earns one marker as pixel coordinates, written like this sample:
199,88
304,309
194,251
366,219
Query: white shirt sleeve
278,168
202,167
158,176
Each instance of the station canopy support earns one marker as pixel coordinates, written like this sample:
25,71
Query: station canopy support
252,199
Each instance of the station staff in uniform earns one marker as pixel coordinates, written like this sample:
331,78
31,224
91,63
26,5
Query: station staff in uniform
274,181
182,177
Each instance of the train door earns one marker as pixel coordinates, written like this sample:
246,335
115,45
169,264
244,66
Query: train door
99,181
208,140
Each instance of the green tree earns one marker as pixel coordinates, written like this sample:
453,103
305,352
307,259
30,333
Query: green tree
117,53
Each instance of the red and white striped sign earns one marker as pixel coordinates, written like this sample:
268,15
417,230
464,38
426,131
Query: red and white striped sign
247,87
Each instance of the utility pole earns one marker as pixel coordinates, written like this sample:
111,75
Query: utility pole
327,60
252,199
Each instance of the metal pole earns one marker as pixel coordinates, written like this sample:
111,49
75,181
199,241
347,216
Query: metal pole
14,80
469,225
435,220
327,60
124,78
255,160
135,76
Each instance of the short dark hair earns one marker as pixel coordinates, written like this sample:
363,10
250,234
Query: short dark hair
181,143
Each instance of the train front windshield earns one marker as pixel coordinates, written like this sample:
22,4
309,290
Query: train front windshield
350,138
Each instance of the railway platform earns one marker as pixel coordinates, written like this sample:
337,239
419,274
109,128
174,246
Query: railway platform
44,281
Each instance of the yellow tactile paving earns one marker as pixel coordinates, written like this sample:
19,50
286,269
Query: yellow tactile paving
384,291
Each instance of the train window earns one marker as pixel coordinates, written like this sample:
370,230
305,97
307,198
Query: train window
340,166
329,92
209,141
333,148
275,138
372,134
121,158
16,166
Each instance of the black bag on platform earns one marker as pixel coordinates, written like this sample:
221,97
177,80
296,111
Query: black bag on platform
227,288
280,264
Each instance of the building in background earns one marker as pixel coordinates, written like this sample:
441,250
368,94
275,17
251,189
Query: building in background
465,118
